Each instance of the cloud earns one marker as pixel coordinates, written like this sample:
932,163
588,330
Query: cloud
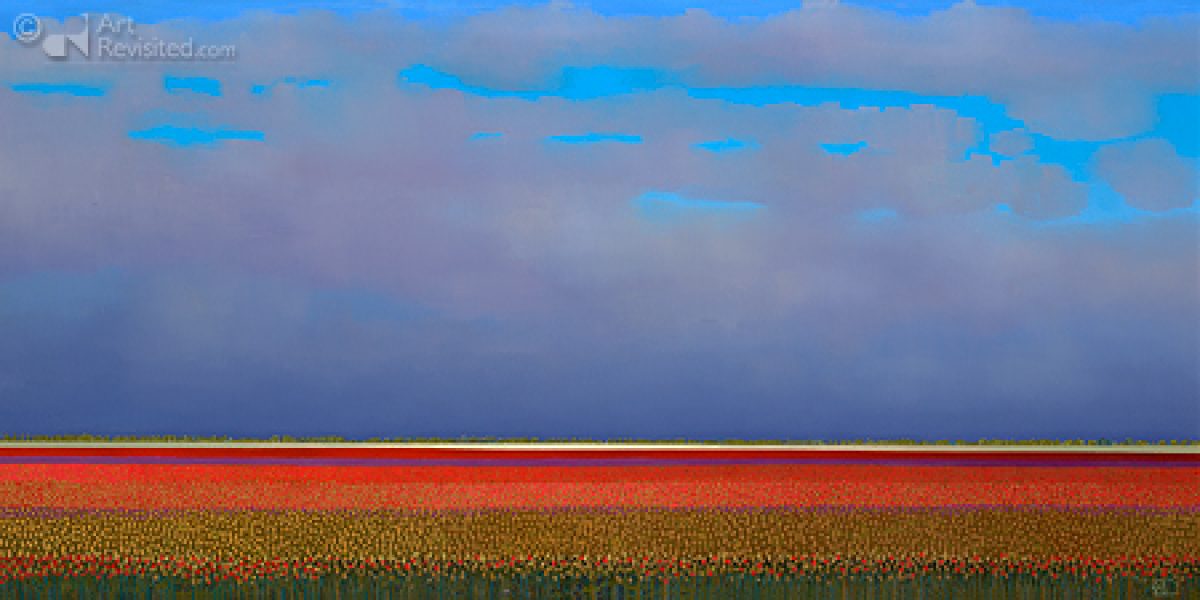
1011,143
1150,174
1041,191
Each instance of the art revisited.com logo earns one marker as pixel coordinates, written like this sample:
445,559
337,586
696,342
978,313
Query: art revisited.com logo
109,37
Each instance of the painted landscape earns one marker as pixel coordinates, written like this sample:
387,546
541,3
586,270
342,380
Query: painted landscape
600,299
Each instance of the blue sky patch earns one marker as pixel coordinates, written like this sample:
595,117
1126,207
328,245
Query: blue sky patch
439,80
571,83
1107,207
595,138
171,135
69,89
1074,156
1176,112
199,85
727,145
588,83
669,206
1179,122
307,83
262,89
843,149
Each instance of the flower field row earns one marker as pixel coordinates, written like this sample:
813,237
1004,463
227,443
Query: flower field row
659,534
523,488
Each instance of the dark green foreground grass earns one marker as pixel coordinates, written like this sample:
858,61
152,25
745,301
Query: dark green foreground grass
581,587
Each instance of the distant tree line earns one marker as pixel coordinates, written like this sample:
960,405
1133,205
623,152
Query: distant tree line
336,439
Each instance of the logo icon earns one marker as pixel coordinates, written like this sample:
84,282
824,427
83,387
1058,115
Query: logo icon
55,44
27,28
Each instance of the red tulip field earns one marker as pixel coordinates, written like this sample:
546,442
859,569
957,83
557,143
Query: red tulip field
422,522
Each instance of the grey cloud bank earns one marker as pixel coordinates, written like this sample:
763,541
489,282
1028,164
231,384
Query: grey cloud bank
366,268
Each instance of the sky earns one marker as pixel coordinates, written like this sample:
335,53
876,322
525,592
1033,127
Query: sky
603,219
